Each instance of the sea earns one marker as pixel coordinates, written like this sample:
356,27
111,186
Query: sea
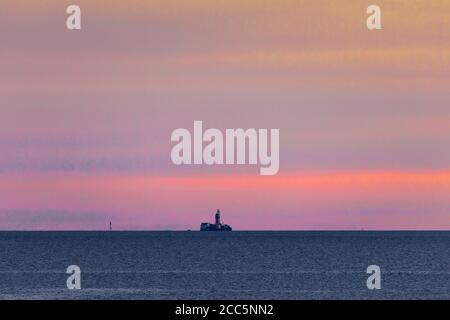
225,265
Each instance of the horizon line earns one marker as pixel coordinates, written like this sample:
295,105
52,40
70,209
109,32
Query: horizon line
243,230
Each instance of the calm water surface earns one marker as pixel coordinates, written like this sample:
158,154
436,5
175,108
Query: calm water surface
214,265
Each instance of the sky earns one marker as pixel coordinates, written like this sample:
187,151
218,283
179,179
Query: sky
86,116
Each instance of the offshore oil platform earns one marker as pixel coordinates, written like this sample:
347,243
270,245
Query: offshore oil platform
218,226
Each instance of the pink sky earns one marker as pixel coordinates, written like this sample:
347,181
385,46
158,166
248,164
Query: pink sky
86,116
303,200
